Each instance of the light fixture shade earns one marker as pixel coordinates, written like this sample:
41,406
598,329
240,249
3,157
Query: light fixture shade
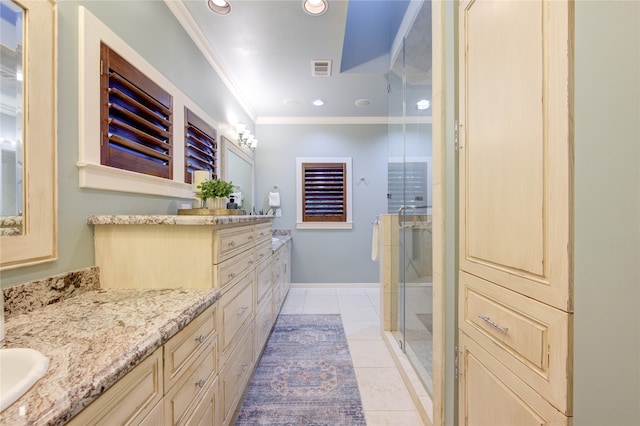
254,143
241,127
315,7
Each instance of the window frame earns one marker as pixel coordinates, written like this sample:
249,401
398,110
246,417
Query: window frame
93,175
301,223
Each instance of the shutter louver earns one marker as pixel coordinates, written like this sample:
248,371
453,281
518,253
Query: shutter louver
136,119
200,147
324,192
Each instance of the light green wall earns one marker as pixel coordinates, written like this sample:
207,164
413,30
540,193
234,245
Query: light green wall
607,213
326,256
150,28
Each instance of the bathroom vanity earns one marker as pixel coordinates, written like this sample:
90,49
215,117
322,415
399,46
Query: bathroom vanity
233,254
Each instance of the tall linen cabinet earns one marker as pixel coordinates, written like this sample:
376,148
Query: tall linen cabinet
515,304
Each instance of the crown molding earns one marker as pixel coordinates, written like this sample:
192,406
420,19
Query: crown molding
343,120
185,19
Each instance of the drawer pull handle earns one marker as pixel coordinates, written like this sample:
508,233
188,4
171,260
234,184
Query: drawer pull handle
250,237
232,275
200,383
232,243
242,310
251,262
244,369
201,338
493,324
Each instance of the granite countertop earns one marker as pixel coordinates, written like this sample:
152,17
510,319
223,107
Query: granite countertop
174,219
279,238
92,340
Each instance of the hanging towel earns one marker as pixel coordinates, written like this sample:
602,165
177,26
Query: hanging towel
375,248
274,199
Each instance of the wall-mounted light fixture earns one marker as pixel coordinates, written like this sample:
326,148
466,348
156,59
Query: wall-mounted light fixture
245,138
315,7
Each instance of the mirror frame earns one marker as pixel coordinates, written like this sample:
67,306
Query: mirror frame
228,145
38,241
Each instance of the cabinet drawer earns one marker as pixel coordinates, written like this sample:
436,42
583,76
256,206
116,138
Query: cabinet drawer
191,387
264,251
264,232
130,400
231,241
205,412
528,337
263,281
230,270
235,311
182,349
235,374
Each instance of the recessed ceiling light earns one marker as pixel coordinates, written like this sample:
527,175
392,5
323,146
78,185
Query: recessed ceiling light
315,7
363,102
423,104
221,7
318,102
291,102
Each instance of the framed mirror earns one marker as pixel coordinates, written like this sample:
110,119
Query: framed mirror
28,225
238,169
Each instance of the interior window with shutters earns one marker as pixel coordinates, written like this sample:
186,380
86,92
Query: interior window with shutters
323,189
136,119
200,146
324,192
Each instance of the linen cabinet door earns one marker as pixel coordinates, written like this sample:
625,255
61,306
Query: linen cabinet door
515,146
490,394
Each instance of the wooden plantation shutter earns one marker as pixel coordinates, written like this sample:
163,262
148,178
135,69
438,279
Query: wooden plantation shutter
324,193
136,119
200,146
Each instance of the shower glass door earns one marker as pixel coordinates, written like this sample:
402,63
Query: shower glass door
409,193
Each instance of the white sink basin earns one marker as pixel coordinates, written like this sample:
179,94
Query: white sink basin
20,368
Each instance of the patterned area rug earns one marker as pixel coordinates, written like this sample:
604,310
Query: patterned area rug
305,376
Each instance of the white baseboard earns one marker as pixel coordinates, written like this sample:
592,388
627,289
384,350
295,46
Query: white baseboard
335,285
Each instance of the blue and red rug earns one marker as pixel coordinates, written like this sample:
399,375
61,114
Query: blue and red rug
305,376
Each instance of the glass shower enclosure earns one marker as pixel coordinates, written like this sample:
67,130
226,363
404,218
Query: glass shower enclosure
410,193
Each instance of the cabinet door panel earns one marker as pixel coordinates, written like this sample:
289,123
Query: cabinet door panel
515,146
491,395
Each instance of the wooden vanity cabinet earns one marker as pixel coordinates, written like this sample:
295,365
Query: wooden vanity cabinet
515,303
281,275
177,384
236,259
130,400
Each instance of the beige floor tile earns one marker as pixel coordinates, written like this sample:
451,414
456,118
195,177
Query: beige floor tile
320,297
358,313
321,309
361,330
370,353
382,389
291,308
393,418
354,299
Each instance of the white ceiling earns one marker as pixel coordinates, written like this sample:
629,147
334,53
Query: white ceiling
264,50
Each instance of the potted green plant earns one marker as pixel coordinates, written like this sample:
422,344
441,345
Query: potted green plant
214,193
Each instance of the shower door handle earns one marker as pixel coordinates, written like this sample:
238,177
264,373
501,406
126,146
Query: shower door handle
401,211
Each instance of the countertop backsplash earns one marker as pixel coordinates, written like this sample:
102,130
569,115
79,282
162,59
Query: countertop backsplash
26,297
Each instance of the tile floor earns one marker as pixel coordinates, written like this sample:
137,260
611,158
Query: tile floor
385,398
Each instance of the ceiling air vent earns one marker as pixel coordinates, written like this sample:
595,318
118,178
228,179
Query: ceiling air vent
321,68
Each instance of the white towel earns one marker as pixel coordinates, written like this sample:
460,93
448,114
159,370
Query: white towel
375,248
274,199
